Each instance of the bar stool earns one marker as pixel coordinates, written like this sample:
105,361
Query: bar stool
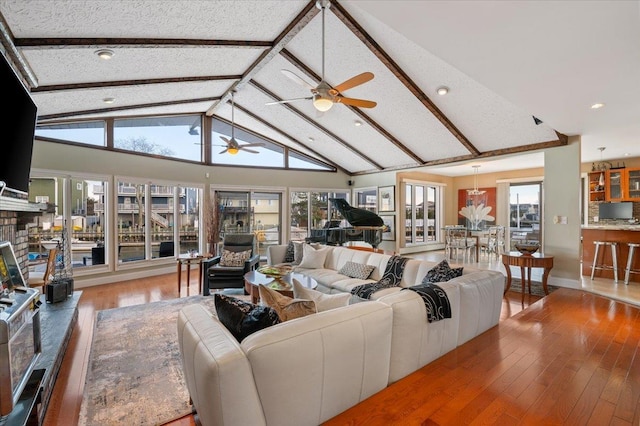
614,256
629,270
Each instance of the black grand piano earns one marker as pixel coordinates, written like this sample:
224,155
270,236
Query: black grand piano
365,226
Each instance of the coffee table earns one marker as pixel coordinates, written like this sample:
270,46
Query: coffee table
283,285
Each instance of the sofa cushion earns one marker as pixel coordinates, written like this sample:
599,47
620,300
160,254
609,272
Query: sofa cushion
231,258
441,272
289,254
313,258
323,301
243,318
356,270
287,308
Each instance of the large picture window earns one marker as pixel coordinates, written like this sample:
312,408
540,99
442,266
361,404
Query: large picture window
422,212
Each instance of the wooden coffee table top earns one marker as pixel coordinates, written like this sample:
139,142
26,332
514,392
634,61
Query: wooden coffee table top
283,285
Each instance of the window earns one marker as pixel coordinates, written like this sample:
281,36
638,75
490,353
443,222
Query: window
312,210
79,208
525,208
87,132
422,212
176,137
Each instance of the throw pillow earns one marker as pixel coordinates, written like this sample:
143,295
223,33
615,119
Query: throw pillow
323,301
243,318
441,272
286,307
298,253
234,258
312,258
393,271
357,270
289,255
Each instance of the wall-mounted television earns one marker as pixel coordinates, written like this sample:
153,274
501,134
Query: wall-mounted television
18,123
615,210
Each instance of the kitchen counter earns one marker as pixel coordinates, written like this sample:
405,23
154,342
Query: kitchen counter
635,227
622,234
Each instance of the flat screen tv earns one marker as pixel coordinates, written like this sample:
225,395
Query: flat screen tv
615,210
18,123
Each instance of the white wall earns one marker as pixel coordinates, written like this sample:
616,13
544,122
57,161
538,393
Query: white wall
562,200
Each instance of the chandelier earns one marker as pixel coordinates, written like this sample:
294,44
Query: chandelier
475,190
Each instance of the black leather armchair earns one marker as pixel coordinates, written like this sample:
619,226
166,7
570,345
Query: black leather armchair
217,276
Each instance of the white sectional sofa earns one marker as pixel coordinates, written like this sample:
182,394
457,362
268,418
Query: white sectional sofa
307,370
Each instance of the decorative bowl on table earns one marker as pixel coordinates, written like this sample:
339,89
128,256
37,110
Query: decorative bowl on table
276,272
527,248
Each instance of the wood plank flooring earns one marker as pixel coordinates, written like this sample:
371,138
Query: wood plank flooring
569,359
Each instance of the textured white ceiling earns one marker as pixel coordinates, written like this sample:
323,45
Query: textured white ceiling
499,59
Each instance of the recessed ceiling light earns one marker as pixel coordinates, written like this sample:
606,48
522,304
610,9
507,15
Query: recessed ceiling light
109,100
626,154
311,139
358,123
596,106
442,90
105,54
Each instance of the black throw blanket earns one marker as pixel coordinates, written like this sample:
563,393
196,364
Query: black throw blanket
435,301
391,278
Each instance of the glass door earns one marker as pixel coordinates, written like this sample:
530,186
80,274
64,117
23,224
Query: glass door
266,211
525,212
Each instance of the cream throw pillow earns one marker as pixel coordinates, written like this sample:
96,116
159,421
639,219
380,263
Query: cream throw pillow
312,258
286,307
323,301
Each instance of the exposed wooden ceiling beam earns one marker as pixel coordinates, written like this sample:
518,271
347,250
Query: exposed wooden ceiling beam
298,23
316,125
43,118
309,72
288,136
61,43
375,48
122,83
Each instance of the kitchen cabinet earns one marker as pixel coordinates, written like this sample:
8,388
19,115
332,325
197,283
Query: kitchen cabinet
623,185
596,190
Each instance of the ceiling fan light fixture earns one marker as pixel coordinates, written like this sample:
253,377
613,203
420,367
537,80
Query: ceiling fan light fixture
322,104
442,90
232,150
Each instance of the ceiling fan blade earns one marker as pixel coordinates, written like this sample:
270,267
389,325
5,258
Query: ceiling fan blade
249,150
354,81
286,101
362,103
299,80
252,144
226,140
223,151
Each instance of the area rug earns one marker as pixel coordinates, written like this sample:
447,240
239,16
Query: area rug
536,287
134,372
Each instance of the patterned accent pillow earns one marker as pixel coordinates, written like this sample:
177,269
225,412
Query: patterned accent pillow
243,318
286,307
289,255
234,258
441,272
324,301
298,252
393,271
357,270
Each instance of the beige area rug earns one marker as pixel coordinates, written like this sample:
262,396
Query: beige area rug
134,373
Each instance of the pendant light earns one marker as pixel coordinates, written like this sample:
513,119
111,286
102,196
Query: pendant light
475,190
601,180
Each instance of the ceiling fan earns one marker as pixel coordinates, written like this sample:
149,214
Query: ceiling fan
323,95
232,146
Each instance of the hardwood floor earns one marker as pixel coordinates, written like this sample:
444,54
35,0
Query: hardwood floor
569,357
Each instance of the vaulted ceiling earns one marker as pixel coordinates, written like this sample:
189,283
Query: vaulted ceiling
176,57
